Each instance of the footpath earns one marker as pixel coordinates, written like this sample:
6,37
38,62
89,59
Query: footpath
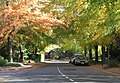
22,67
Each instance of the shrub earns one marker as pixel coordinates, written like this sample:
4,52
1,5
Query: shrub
113,63
2,61
13,64
91,62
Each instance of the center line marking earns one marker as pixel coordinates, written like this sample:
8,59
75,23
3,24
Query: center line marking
71,80
63,74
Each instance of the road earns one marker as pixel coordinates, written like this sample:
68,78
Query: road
58,72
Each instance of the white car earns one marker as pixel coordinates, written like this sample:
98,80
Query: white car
79,59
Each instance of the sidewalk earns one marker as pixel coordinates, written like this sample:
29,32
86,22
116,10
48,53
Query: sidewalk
6,69
23,67
113,71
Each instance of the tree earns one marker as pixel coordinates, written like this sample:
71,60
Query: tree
93,21
26,15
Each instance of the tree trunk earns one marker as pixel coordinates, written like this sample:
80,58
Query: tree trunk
85,50
103,54
10,54
90,53
96,53
35,52
36,55
21,53
107,52
110,52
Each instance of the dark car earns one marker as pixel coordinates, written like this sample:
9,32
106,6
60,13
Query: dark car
79,59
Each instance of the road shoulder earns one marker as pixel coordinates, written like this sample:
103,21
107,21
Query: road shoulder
113,71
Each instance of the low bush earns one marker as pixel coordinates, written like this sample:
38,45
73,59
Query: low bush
91,62
113,63
3,61
94,62
13,64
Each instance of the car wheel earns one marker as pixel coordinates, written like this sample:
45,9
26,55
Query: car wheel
75,63
69,61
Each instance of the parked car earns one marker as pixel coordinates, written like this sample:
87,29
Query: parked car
79,59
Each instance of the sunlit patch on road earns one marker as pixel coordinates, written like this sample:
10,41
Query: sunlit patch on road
56,61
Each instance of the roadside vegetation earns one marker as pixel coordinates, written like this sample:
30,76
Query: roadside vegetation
89,27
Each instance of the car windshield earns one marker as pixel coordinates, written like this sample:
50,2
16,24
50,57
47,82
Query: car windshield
80,56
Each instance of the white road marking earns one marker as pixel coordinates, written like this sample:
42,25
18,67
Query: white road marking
64,75
71,80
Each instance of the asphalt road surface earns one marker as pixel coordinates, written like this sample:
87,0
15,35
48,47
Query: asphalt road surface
58,72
